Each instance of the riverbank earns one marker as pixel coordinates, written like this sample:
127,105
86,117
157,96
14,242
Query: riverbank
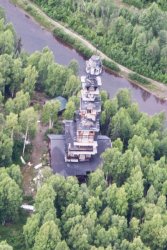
84,47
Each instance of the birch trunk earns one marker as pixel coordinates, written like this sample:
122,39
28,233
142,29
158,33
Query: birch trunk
12,134
50,123
25,140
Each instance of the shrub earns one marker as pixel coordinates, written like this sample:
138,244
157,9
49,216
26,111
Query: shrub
111,65
138,78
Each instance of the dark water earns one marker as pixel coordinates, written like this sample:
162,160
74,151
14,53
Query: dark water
34,37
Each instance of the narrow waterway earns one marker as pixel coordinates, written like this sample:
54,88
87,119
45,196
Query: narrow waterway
34,37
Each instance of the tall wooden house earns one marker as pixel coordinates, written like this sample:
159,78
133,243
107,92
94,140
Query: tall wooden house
81,132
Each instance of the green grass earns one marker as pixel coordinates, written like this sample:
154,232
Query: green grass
33,12
59,33
111,65
75,43
13,233
138,78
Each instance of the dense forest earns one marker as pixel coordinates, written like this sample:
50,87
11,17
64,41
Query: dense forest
122,205
136,39
142,3
20,77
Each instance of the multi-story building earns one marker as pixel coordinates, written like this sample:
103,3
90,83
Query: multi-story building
81,132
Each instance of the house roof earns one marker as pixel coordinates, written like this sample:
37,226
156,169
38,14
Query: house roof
57,153
62,101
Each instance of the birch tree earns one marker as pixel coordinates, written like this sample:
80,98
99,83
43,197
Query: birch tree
12,124
50,112
28,123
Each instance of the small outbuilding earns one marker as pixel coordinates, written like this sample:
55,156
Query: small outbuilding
63,102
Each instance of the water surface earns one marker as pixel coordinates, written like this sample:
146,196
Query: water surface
34,37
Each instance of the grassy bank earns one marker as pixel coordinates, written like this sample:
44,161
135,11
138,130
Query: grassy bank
138,78
61,34
82,49
86,49
28,7
64,37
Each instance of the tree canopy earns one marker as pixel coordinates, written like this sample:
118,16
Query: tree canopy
122,205
134,38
